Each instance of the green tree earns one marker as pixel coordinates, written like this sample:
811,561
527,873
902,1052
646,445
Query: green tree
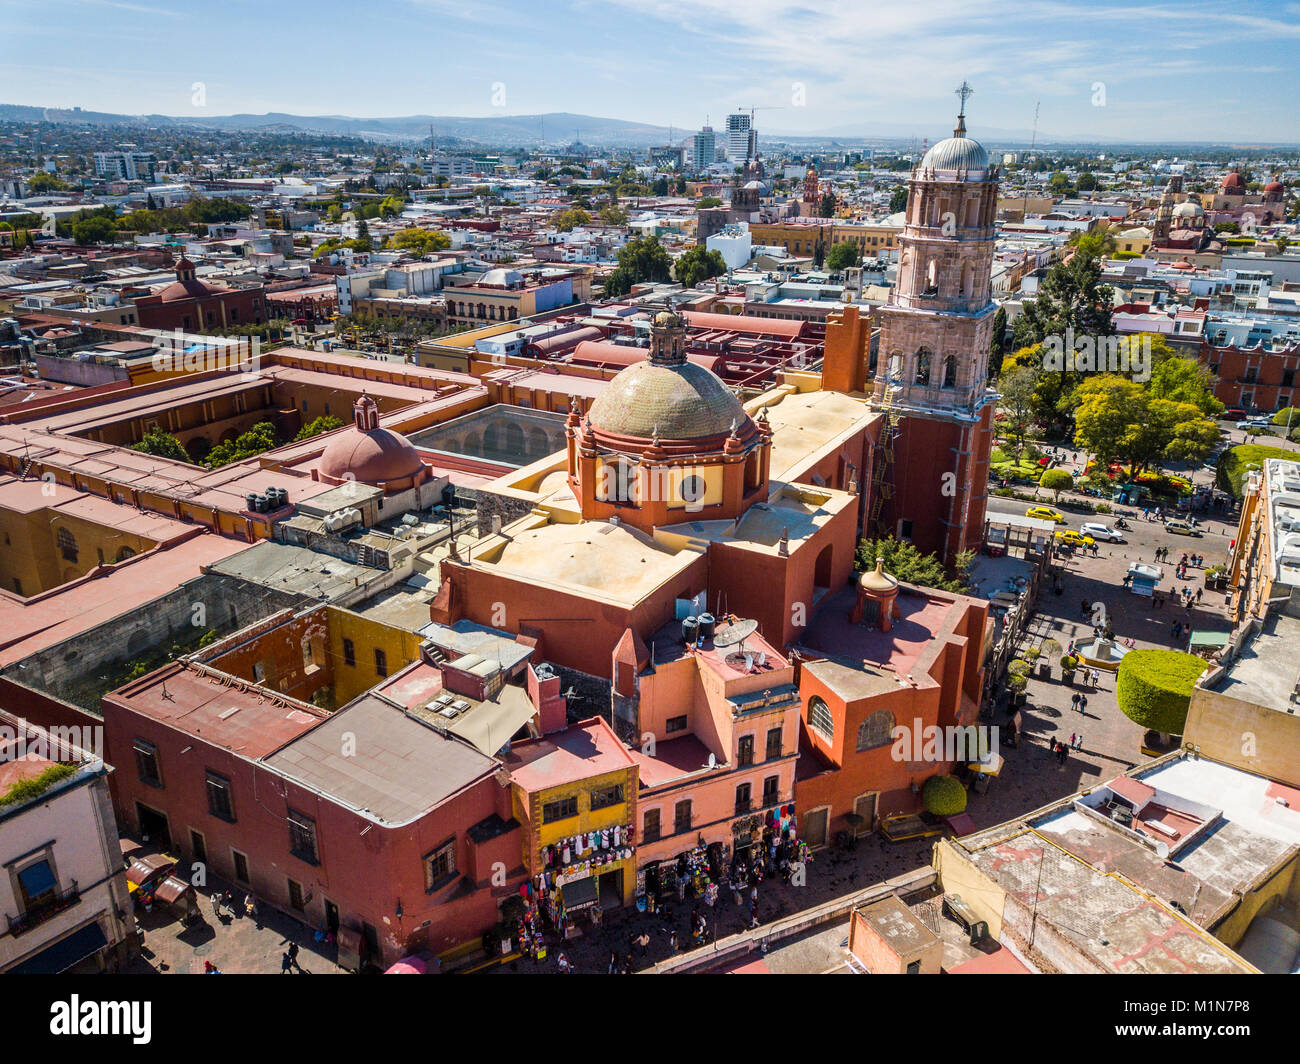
162,445
1154,688
1086,183
698,264
842,256
997,341
1016,389
898,200
419,242
95,229
324,423
261,437
1057,481
903,561
943,796
613,215
707,202
571,219
1180,379
1058,184
42,182
1120,421
640,259
826,208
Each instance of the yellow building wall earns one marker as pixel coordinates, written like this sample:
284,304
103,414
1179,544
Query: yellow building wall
32,556
1282,886
959,876
1246,736
544,834
400,647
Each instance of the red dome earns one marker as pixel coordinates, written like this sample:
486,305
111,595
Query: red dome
378,457
1275,186
1233,185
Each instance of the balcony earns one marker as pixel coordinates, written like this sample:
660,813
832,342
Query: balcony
46,909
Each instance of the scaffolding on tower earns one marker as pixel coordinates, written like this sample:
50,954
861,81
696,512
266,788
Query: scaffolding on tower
882,480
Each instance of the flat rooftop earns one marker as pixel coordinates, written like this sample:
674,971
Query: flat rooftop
295,569
246,719
1264,673
396,770
884,654
581,751
806,424
614,562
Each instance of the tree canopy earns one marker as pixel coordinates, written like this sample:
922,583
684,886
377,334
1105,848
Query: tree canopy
163,445
842,256
698,264
905,562
640,259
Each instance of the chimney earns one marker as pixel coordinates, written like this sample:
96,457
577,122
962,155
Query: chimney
544,691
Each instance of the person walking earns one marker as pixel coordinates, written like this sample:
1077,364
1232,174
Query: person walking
1078,745
285,964
293,957
1083,704
643,940
672,941
1071,739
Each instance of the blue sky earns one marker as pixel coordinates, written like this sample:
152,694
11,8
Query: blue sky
1168,69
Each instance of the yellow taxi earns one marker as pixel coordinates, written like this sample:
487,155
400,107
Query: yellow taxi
1046,513
1074,539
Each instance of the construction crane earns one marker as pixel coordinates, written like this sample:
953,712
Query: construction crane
1033,140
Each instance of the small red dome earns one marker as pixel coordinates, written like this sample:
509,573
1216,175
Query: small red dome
1233,185
377,457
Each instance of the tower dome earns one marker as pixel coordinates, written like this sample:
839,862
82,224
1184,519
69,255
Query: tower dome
368,454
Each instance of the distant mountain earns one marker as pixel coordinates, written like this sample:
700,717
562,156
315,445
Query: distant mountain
492,130
554,128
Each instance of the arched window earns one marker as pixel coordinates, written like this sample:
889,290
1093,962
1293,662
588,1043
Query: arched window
67,544
950,371
932,277
876,730
124,553
923,366
820,719
617,481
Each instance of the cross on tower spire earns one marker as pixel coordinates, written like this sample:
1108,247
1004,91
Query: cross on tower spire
965,92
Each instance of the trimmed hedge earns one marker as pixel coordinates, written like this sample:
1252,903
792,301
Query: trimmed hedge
1154,688
943,796
1235,461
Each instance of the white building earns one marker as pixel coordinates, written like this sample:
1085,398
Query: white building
742,138
63,890
125,165
733,243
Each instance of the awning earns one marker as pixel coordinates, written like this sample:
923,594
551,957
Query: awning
65,953
171,890
1212,640
988,765
579,893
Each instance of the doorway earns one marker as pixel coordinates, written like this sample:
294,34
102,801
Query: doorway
153,826
331,917
865,807
198,847
610,890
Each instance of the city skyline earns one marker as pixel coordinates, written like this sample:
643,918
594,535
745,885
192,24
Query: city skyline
1091,72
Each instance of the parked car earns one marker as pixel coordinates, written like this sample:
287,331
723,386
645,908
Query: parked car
1260,422
1102,532
1235,414
1046,513
1181,528
1074,539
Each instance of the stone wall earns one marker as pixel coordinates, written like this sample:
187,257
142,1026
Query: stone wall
78,669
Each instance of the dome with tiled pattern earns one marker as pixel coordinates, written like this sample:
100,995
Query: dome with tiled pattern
683,401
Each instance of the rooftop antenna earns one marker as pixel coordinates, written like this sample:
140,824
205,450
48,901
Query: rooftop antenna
1033,139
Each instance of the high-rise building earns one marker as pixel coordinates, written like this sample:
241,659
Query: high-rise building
125,165
742,138
704,149
933,355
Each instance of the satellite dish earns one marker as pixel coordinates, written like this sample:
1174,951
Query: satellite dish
1162,850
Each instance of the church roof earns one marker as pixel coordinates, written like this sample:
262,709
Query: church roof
676,402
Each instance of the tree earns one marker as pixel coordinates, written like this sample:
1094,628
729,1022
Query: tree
842,256
1086,183
903,561
997,341
420,242
572,218
706,202
261,437
43,182
1097,243
613,215
826,208
1120,421
1057,481
699,264
1180,379
95,229
641,259
1017,386
162,445
943,796
1058,184
898,200
324,423
1154,688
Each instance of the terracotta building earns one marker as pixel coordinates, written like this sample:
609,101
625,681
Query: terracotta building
195,306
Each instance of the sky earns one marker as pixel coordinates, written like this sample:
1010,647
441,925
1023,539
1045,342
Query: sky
1140,70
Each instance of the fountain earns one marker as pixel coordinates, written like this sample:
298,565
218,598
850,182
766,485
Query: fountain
1100,653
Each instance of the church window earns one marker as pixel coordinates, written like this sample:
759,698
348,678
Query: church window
923,366
820,719
950,371
876,730
932,277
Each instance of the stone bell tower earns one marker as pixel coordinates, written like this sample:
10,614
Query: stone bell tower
936,330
